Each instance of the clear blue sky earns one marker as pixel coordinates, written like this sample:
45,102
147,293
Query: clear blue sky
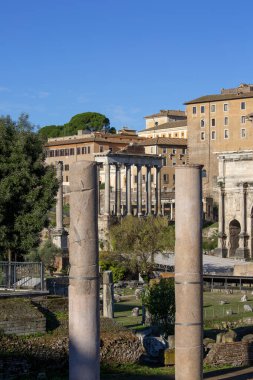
123,58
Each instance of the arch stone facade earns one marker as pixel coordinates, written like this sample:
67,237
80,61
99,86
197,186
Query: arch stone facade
235,204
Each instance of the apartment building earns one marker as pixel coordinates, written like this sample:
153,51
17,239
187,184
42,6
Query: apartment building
166,123
219,123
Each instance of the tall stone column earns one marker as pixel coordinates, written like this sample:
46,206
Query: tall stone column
128,190
188,274
98,177
118,190
221,250
107,294
84,338
158,191
59,199
171,211
107,188
149,191
243,250
139,190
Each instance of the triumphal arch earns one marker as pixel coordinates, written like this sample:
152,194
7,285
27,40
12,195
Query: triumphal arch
235,204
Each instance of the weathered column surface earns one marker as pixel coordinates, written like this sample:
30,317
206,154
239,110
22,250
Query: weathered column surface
107,294
107,189
98,178
59,199
84,274
221,250
118,191
139,190
188,274
128,190
158,191
149,191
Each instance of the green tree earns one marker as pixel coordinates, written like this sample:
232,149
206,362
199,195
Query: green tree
136,240
46,254
159,299
90,121
27,186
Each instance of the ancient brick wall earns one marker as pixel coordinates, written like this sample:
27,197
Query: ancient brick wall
23,326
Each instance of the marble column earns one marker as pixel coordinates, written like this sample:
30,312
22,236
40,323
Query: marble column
139,190
84,340
118,190
149,191
59,199
128,190
107,188
221,251
243,250
98,177
158,191
188,274
108,294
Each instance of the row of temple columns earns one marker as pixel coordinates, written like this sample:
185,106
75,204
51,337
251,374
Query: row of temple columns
107,210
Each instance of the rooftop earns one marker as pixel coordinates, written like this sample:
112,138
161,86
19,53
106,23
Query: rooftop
240,92
167,113
164,141
168,125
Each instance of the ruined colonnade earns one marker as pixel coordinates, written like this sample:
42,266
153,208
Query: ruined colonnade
124,162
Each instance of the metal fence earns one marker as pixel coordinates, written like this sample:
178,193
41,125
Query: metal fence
19,275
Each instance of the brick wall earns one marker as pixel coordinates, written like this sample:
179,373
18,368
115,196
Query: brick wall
24,326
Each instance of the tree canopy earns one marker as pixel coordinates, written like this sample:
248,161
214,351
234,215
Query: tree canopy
27,186
135,241
90,121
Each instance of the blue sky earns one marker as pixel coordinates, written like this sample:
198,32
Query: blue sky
123,58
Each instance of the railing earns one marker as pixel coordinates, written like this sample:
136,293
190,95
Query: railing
19,275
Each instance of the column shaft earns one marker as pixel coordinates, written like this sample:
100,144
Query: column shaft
149,191
158,191
59,199
188,274
118,191
128,190
84,340
139,190
98,177
107,188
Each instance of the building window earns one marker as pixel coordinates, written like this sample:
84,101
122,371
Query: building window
174,151
174,179
61,152
164,161
203,173
166,178
243,133
213,135
101,148
213,122
202,109
164,150
72,151
182,134
184,151
66,152
83,150
213,107
67,178
225,107
174,163
57,153
202,123
226,134
202,136
88,149
66,167
51,153
78,150
225,120
243,119
194,110
169,135
243,106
